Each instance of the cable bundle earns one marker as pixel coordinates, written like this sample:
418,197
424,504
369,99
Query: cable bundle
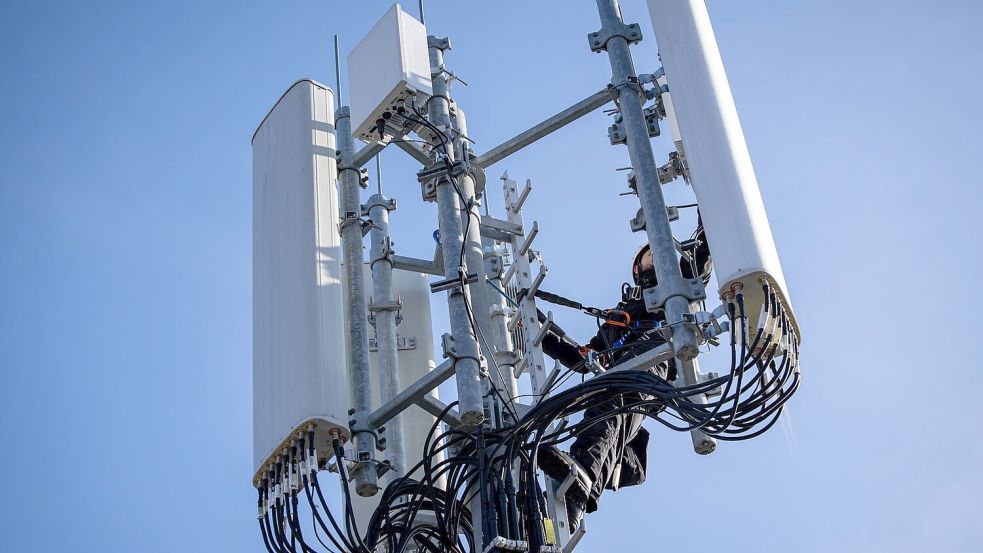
430,508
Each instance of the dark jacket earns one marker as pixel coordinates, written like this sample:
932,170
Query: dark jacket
623,337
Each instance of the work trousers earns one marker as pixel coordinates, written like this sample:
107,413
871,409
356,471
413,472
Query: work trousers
613,451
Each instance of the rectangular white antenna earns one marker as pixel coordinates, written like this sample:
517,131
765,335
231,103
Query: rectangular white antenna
388,66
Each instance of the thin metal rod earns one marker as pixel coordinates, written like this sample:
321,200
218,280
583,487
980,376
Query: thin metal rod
378,175
409,396
337,70
523,139
422,17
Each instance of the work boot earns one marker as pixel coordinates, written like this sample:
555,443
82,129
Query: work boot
576,506
554,463
558,466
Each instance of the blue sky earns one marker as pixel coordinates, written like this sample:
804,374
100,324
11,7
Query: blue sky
125,325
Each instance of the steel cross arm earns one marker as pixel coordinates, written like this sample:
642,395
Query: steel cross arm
437,408
523,139
367,152
415,152
645,361
419,265
412,394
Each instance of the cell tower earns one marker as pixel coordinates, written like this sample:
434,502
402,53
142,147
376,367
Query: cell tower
345,372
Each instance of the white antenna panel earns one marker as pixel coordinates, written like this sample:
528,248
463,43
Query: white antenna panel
740,239
299,374
389,65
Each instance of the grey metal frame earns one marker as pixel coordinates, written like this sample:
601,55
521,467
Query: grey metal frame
474,344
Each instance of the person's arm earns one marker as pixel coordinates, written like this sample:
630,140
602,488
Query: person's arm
561,347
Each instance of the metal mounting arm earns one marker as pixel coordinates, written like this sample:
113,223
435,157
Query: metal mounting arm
560,120
367,152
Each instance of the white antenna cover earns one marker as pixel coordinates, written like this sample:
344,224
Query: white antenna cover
737,228
299,374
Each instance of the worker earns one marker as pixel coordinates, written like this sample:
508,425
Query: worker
612,452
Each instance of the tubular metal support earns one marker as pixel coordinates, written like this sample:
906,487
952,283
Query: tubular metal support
630,99
453,241
367,152
565,117
363,438
415,152
501,340
385,323
411,394
418,265
436,408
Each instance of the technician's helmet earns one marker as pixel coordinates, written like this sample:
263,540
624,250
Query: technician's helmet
644,278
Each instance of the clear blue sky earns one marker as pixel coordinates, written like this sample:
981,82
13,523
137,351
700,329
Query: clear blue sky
125,183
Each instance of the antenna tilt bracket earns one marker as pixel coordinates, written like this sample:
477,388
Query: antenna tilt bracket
598,41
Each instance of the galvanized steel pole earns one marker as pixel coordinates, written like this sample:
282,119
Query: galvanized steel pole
384,307
481,301
363,436
630,99
465,351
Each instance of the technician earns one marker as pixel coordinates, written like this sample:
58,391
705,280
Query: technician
612,452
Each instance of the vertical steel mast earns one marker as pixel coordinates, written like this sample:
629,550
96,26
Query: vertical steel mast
457,208
673,292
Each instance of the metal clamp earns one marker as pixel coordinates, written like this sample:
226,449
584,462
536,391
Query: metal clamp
452,283
598,41
499,230
358,423
389,204
501,311
616,132
509,358
393,305
450,350
430,175
652,117
673,169
656,297
385,253
439,42
637,223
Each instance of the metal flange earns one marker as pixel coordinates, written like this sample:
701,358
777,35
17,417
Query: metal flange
598,41
689,288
